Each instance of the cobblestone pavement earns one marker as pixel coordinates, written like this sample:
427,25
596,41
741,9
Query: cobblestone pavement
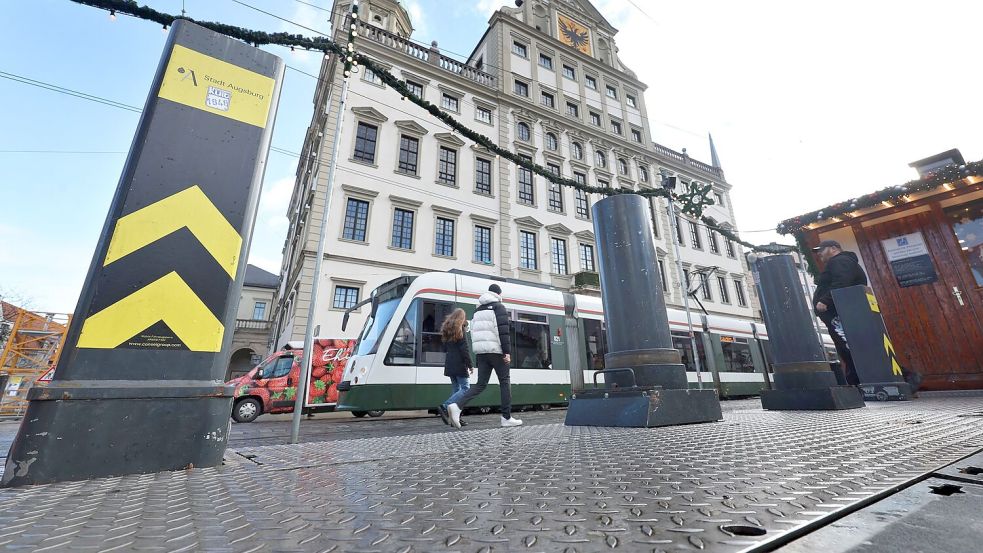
727,486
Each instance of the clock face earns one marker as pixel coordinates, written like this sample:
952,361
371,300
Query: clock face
573,33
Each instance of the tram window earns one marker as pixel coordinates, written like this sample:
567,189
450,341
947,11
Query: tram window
530,345
432,346
737,355
403,349
681,341
597,345
766,348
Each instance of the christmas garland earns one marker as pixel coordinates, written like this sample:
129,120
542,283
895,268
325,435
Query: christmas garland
692,202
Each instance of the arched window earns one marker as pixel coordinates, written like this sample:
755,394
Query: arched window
550,141
601,159
643,173
578,150
523,131
623,166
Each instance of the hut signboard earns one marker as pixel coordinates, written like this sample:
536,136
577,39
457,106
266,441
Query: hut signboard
909,259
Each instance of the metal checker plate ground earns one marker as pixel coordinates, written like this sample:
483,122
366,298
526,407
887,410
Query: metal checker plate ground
540,488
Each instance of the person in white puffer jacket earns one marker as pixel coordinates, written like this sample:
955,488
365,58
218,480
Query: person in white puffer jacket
492,344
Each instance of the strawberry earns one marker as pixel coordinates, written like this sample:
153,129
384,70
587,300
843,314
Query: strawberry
317,353
242,390
337,374
326,379
277,385
261,383
318,389
290,393
318,372
294,375
333,394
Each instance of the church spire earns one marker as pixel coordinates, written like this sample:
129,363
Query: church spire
714,159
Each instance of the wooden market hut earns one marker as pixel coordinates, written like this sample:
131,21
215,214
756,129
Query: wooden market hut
921,244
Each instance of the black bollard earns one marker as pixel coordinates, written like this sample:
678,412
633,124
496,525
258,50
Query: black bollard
803,379
644,379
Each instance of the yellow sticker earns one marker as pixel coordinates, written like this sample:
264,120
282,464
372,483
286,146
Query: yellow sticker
216,86
873,303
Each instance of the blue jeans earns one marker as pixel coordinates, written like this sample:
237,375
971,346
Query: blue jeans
459,386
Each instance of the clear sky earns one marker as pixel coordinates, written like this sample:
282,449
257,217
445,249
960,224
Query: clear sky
809,104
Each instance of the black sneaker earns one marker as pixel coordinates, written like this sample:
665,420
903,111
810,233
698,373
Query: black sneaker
442,411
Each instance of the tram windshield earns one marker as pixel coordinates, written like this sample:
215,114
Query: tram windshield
385,300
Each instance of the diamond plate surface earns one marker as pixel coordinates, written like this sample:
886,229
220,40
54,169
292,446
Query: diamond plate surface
538,488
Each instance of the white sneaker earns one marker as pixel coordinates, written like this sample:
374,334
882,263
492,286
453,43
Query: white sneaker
511,422
455,412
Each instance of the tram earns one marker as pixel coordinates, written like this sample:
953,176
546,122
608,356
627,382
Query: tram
398,362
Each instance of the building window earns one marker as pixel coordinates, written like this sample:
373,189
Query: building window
615,126
522,130
415,88
712,241
662,274
603,183
444,237
601,159
546,62
447,167
739,292
520,49
402,229
722,284
409,153
573,109
636,135
483,115
630,100
569,72
679,231
482,176
356,217
365,138
730,247
586,257
612,92
521,88
482,245
581,203
643,173
548,100
623,166
345,297
578,150
527,250
551,143
559,255
556,198
526,195
449,102
369,76
259,311
718,199
595,119
553,168
590,82
705,286
694,235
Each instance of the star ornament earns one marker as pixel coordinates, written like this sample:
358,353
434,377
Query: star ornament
573,34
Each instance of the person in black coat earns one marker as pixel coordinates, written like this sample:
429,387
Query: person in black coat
457,359
842,270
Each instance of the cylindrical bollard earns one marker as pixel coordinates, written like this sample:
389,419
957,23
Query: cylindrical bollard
634,305
803,379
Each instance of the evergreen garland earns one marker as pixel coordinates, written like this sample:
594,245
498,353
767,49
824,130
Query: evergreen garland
692,202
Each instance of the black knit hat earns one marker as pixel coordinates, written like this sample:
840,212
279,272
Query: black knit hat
495,288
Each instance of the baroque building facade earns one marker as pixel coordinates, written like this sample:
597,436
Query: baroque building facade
410,196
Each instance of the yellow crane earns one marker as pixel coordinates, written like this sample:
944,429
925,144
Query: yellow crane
31,344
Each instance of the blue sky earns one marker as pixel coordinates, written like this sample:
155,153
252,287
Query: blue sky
808,105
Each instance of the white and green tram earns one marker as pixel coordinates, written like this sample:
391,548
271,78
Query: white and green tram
398,362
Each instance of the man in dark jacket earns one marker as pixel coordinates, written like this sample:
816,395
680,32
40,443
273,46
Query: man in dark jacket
492,343
841,270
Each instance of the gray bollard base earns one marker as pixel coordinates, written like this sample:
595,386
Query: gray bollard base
105,437
642,408
886,391
833,398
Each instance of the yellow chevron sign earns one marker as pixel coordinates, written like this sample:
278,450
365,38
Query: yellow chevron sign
889,350
189,208
168,299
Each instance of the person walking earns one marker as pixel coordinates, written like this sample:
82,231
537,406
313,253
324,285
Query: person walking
840,271
493,350
457,359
